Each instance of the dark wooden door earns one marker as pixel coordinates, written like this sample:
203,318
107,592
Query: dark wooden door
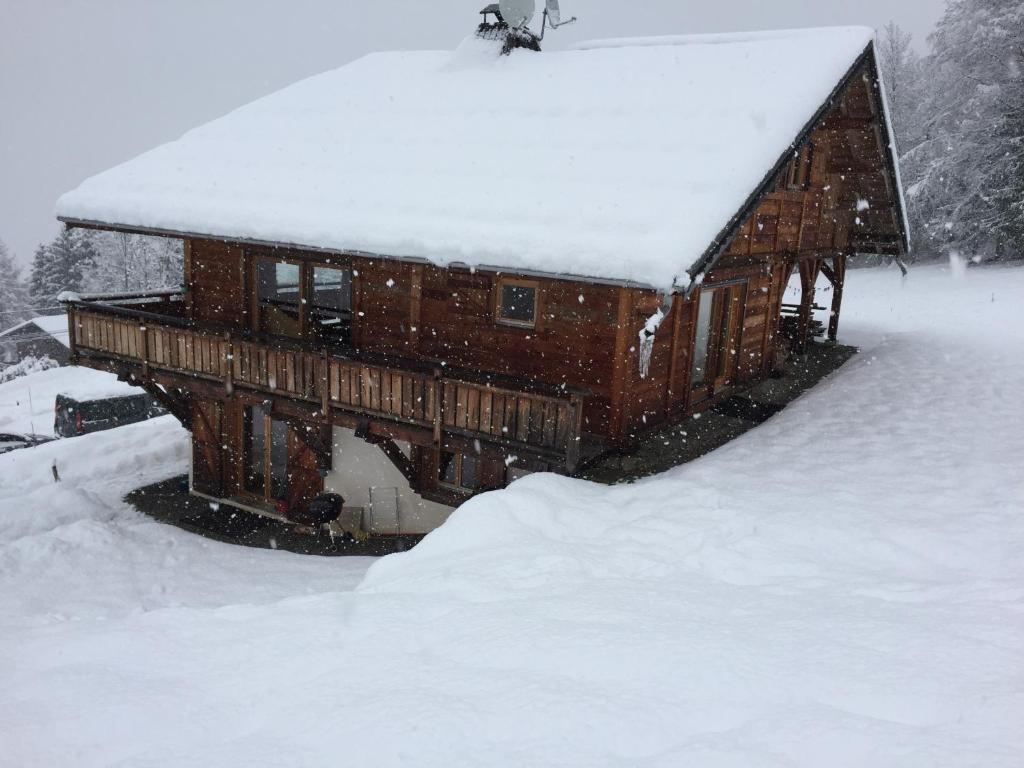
304,480
207,451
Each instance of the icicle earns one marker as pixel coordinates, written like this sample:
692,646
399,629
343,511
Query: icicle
647,341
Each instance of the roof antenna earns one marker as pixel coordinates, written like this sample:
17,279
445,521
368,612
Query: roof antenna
553,16
512,18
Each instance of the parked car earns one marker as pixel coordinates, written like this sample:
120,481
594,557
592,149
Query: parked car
12,442
80,417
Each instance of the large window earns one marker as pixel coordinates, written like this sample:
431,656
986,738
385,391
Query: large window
516,303
266,455
702,348
304,300
330,307
460,471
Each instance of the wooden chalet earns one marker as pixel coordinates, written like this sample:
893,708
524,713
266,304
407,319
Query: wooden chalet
307,352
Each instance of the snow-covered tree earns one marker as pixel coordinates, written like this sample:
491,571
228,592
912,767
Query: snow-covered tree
126,262
900,66
60,265
956,164
13,295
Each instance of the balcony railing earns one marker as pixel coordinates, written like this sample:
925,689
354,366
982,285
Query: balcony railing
532,416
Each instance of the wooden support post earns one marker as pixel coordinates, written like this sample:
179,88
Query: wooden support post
839,272
672,390
438,407
572,451
621,359
72,335
808,277
325,384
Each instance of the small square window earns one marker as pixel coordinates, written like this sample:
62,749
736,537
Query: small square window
459,470
797,176
516,303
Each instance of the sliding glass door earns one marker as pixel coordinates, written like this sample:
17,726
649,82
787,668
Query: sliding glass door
266,455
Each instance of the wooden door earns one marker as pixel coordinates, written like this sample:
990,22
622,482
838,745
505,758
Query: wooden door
304,480
730,333
207,441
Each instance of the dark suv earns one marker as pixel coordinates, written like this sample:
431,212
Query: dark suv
79,417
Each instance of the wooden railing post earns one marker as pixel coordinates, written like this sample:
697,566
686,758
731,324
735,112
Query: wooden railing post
73,333
144,332
438,407
325,384
572,451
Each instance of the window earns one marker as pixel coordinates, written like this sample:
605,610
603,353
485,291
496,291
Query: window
702,348
459,470
331,306
797,175
279,289
266,460
516,303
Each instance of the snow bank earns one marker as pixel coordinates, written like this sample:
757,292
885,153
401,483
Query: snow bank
840,587
620,162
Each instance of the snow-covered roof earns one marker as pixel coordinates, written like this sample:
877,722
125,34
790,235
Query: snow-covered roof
54,325
617,160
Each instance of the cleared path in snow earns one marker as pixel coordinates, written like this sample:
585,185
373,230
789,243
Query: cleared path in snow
843,586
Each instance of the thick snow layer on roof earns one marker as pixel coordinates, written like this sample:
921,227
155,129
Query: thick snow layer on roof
54,325
622,160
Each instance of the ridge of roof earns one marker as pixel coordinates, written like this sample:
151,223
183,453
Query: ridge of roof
719,38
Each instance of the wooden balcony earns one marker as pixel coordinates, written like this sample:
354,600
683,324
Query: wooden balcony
149,334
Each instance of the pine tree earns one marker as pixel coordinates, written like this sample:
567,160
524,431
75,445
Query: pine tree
957,163
1005,218
124,262
60,266
13,297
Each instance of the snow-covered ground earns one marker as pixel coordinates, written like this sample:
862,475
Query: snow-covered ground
843,586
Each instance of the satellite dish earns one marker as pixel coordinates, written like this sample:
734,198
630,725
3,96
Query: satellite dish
554,13
517,13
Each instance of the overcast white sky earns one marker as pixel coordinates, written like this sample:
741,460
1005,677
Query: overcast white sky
86,84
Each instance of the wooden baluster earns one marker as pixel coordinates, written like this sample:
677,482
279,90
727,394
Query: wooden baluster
143,332
229,365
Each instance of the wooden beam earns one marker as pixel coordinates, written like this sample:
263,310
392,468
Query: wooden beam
176,405
839,269
401,462
619,364
808,277
672,391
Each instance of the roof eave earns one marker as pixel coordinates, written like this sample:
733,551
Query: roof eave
132,229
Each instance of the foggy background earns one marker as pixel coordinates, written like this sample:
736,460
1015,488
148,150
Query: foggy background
87,84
